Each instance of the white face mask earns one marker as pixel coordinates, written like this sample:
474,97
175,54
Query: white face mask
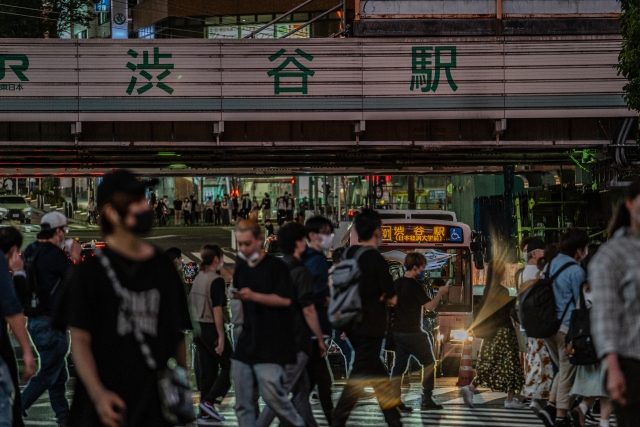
221,265
525,256
584,255
326,242
250,260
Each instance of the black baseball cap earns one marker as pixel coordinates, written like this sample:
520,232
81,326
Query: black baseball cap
122,181
535,243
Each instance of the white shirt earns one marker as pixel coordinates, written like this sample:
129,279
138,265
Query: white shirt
531,272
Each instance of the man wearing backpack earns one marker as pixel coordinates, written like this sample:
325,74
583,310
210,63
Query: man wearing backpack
532,250
376,291
574,246
47,266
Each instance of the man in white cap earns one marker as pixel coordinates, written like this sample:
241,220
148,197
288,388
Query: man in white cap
49,264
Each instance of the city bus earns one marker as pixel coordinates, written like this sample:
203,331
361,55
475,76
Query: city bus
446,245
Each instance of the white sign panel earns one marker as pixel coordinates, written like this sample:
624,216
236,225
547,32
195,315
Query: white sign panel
310,79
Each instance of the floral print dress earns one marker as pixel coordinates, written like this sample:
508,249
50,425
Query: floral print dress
539,378
498,365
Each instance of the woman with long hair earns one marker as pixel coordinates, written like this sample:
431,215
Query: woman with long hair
498,365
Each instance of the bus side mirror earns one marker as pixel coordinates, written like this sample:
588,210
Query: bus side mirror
478,261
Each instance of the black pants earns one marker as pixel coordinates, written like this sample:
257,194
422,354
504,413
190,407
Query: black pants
417,345
214,385
368,370
7,354
319,374
628,415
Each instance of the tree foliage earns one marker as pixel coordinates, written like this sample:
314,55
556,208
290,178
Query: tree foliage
43,18
629,57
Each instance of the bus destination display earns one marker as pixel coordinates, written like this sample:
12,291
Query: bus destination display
408,233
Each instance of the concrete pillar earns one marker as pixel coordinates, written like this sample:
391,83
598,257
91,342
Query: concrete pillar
411,192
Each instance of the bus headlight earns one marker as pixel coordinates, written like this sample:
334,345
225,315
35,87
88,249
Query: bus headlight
459,335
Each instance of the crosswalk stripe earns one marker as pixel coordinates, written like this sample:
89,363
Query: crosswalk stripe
228,260
197,255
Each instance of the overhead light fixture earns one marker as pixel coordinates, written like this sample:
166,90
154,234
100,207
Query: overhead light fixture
178,166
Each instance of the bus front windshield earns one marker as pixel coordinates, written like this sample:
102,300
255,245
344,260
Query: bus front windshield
445,265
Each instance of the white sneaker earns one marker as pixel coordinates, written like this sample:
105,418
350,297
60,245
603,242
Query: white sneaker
467,396
514,404
535,406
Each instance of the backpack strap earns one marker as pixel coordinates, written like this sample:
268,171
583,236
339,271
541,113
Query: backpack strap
560,270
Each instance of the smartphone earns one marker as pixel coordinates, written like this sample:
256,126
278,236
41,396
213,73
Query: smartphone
68,243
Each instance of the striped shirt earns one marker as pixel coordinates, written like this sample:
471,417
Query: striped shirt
614,277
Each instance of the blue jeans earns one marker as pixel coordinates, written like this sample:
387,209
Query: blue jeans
270,378
6,396
52,347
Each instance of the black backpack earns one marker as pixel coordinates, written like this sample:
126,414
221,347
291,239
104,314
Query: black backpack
537,306
34,298
578,339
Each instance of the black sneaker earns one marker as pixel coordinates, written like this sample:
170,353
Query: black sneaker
565,422
428,404
548,415
577,417
405,411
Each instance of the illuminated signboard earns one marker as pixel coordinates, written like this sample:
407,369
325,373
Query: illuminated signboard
410,233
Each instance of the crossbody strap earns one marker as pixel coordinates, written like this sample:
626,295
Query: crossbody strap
119,290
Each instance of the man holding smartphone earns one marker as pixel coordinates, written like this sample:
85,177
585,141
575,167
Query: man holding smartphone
408,336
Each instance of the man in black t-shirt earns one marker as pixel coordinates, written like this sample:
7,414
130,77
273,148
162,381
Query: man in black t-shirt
265,345
51,265
376,292
408,336
292,239
116,386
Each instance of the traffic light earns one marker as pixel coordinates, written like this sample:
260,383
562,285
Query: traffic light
293,180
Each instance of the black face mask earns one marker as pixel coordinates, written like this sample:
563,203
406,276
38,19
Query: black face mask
144,221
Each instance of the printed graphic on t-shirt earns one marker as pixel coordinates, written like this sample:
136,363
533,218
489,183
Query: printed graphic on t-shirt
145,307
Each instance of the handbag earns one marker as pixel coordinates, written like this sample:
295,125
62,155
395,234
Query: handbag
580,347
174,388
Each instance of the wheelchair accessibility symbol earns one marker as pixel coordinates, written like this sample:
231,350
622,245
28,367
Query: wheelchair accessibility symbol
455,234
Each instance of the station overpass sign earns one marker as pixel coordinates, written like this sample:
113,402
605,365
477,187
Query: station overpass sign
310,79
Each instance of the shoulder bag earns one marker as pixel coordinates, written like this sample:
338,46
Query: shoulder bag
173,384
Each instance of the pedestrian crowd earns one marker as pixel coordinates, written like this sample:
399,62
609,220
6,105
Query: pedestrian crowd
129,318
575,318
224,210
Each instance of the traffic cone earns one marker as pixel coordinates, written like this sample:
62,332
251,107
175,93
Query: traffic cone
466,373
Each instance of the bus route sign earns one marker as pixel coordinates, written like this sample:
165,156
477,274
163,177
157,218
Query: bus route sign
421,234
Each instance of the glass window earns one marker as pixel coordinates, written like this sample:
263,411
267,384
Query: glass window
263,19
212,20
146,32
229,19
104,17
248,19
301,17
